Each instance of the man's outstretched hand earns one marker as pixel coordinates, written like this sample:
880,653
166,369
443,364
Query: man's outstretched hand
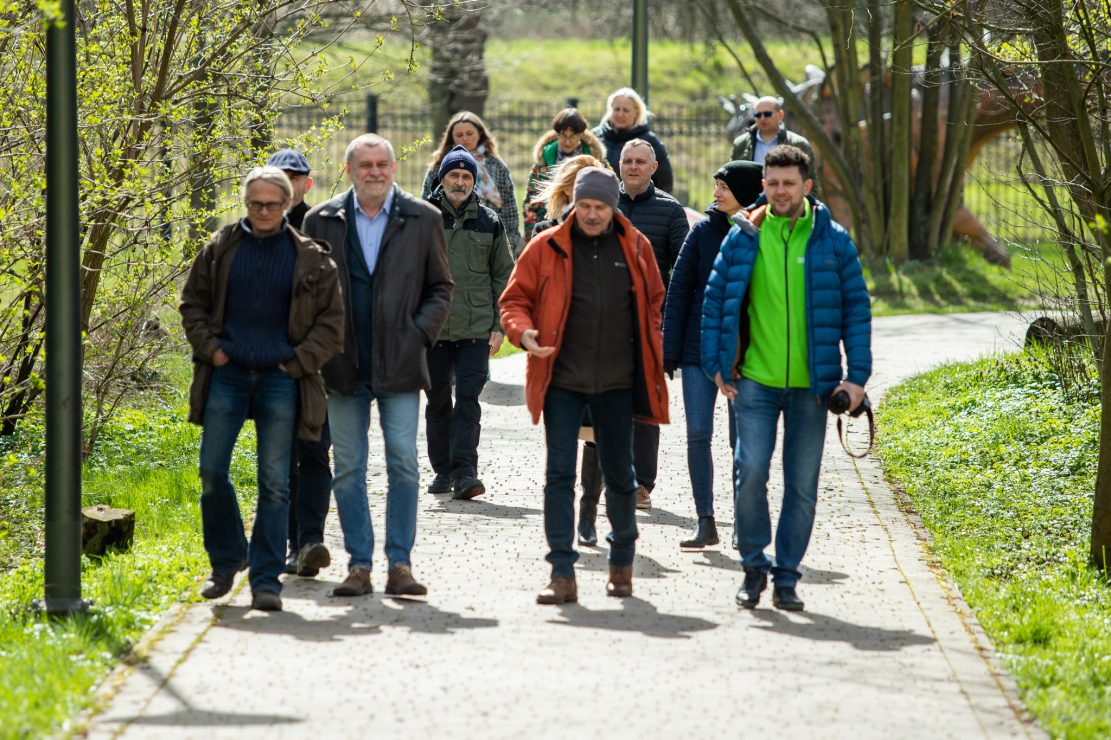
529,343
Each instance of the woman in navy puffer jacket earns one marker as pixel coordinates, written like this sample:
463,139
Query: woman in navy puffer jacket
736,184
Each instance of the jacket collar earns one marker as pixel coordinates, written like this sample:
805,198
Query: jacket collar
560,241
646,195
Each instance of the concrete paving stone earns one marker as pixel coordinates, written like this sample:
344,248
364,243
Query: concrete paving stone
885,648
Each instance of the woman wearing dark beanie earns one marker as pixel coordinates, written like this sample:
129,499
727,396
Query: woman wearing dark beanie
737,185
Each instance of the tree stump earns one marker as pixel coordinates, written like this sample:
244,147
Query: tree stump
1044,331
103,527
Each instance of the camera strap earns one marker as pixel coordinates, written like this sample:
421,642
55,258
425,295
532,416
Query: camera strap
871,435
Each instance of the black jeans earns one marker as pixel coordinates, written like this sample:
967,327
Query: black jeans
612,414
646,453
453,431
310,487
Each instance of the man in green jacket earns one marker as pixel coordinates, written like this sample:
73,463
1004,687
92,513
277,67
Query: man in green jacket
480,262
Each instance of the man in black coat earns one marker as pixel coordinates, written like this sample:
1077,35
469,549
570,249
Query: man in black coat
663,220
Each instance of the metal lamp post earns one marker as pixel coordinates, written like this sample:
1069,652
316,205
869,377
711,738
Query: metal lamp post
63,324
640,47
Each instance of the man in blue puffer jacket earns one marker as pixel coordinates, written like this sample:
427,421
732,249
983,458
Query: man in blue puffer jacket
785,295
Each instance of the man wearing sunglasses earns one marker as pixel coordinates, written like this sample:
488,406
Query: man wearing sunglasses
767,131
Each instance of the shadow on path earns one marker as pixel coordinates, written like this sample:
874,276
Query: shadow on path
502,394
813,576
656,515
636,615
362,616
812,626
478,507
191,716
597,560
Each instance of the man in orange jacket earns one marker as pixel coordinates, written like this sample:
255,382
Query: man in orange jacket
585,301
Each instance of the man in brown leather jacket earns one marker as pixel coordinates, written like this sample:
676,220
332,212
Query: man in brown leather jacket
262,310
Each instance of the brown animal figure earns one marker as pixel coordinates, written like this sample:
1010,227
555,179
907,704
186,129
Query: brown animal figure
992,118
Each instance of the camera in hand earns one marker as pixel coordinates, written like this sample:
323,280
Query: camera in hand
838,404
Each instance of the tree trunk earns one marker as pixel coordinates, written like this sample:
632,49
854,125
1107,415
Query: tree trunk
1101,498
457,79
922,199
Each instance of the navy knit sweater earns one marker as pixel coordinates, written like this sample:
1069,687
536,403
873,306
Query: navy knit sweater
260,287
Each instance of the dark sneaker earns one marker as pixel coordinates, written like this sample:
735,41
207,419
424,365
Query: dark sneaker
291,564
312,558
357,583
440,484
266,601
755,583
217,584
785,598
468,488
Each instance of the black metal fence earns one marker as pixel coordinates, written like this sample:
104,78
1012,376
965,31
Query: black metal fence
694,134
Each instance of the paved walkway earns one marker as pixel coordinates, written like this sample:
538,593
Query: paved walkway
885,649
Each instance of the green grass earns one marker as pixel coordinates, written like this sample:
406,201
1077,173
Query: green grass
588,69
146,461
960,280
1000,463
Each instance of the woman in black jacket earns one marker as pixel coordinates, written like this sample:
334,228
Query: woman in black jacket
626,119
736,185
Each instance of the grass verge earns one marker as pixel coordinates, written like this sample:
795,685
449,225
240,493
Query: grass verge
1000,462
146,461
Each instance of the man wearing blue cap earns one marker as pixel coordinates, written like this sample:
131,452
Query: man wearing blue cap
480,262
310,473
296,167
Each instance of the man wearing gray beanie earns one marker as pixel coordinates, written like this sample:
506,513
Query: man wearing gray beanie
594,340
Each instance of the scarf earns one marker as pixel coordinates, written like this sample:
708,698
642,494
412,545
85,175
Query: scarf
485,187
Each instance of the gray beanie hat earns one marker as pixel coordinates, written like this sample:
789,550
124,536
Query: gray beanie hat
595,183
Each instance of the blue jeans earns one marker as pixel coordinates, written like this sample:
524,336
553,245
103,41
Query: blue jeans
612,414
453,433
349,418
271,398
757,408
700,395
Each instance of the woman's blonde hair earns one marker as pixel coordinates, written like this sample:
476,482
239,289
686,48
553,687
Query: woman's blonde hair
638,102
557,192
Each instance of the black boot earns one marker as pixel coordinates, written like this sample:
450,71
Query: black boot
592,491
706,533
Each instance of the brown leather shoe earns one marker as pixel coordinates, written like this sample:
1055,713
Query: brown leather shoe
400,582
357,583
644,498
560,591
621,581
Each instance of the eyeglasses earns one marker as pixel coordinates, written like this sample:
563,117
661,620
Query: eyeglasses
260,206
763,114
570,137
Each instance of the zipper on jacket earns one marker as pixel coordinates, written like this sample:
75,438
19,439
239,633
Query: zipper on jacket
602,306
787,301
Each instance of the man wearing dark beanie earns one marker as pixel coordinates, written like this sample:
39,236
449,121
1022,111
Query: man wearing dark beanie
594,341
480,263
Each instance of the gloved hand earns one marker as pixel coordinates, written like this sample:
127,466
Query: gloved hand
670,366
